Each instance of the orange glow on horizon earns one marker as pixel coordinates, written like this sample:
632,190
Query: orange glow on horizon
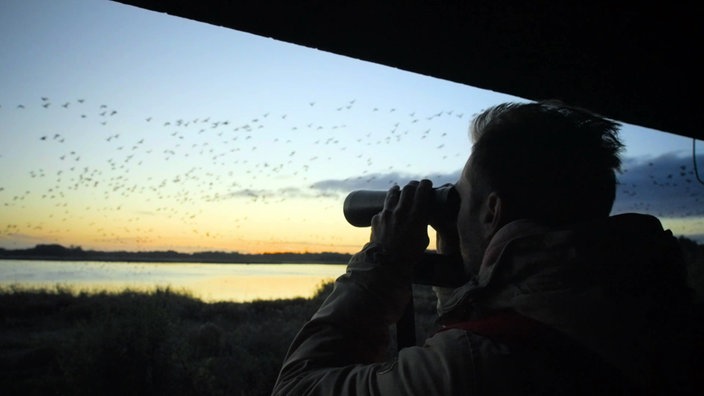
348,240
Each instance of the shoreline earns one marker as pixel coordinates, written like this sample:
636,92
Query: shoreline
61,253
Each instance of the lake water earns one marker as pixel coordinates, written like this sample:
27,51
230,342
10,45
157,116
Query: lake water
209,282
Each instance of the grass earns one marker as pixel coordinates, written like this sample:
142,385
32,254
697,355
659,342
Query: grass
167,342
60,342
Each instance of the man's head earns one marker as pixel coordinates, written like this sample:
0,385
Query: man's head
544,161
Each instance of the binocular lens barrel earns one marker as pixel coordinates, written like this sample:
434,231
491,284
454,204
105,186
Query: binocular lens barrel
361,205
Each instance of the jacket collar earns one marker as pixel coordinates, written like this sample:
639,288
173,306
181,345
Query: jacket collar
524,250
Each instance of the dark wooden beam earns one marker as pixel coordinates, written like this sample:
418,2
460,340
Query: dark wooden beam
636,64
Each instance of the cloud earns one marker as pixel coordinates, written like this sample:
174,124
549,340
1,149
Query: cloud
278,194
380,181
334,188
665,186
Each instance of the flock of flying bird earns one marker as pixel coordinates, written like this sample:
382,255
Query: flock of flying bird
98,167
114,174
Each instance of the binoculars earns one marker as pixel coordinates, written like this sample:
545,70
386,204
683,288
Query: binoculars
434,269
361,205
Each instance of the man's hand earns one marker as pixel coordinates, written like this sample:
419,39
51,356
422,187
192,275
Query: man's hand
401,228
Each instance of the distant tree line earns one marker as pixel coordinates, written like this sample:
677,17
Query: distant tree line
76,253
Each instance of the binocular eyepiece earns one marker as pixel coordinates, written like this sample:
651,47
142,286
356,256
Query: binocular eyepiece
361,205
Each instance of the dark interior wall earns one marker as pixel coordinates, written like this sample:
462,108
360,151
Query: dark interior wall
639,65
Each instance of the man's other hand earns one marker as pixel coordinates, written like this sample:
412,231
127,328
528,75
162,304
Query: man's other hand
401,228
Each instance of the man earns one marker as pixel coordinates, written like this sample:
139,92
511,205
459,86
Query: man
561,297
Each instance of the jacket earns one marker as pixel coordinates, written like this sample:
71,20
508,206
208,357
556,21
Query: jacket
607,301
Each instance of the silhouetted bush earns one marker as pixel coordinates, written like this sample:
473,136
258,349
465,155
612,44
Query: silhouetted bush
55,342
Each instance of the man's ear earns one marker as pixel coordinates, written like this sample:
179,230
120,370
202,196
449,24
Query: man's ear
494,213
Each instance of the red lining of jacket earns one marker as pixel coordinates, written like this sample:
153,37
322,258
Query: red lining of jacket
507,326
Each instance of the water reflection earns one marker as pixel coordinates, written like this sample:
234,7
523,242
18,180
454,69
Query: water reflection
209,282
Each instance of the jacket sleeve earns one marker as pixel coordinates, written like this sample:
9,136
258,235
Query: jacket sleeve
342,349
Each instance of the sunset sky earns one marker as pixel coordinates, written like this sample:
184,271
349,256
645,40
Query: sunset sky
126,129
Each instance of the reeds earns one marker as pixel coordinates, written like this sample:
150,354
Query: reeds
59,342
